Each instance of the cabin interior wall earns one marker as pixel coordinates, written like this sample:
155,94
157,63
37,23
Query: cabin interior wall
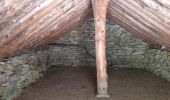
77,49
158,62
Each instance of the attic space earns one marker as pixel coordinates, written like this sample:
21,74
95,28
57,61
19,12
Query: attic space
84,50
66,68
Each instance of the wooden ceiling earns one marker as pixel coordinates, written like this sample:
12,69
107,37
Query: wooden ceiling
30,23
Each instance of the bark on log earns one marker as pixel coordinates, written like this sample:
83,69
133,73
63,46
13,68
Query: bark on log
100,9
147,19
46,25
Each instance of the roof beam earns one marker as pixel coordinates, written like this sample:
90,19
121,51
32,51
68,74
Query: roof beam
27,20
61,19
147,19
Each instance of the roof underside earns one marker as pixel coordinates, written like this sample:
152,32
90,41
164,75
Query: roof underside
30,23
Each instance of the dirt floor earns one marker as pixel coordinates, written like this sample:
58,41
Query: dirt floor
80,84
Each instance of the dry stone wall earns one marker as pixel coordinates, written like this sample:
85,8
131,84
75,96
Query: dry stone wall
158,62
20,71
77,49
74,49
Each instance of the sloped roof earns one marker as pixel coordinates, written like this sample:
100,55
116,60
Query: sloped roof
30,23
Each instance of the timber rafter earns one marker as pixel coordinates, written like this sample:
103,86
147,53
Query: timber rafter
30,23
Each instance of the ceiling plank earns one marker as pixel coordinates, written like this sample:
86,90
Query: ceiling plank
147,19
62,19
30,18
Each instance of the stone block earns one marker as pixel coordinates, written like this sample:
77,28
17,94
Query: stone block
3,79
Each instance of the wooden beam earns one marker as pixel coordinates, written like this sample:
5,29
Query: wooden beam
37,13
100,9
147,19
29,24
62,19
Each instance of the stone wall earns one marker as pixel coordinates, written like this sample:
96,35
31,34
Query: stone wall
158,62
20,71
77,49
74,49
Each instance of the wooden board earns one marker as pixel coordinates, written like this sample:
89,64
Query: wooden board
44,25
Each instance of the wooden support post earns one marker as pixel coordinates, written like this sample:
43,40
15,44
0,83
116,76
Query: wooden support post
100,9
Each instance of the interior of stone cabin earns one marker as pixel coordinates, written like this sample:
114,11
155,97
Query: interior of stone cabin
84,50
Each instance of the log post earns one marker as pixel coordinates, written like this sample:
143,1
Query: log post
99,10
